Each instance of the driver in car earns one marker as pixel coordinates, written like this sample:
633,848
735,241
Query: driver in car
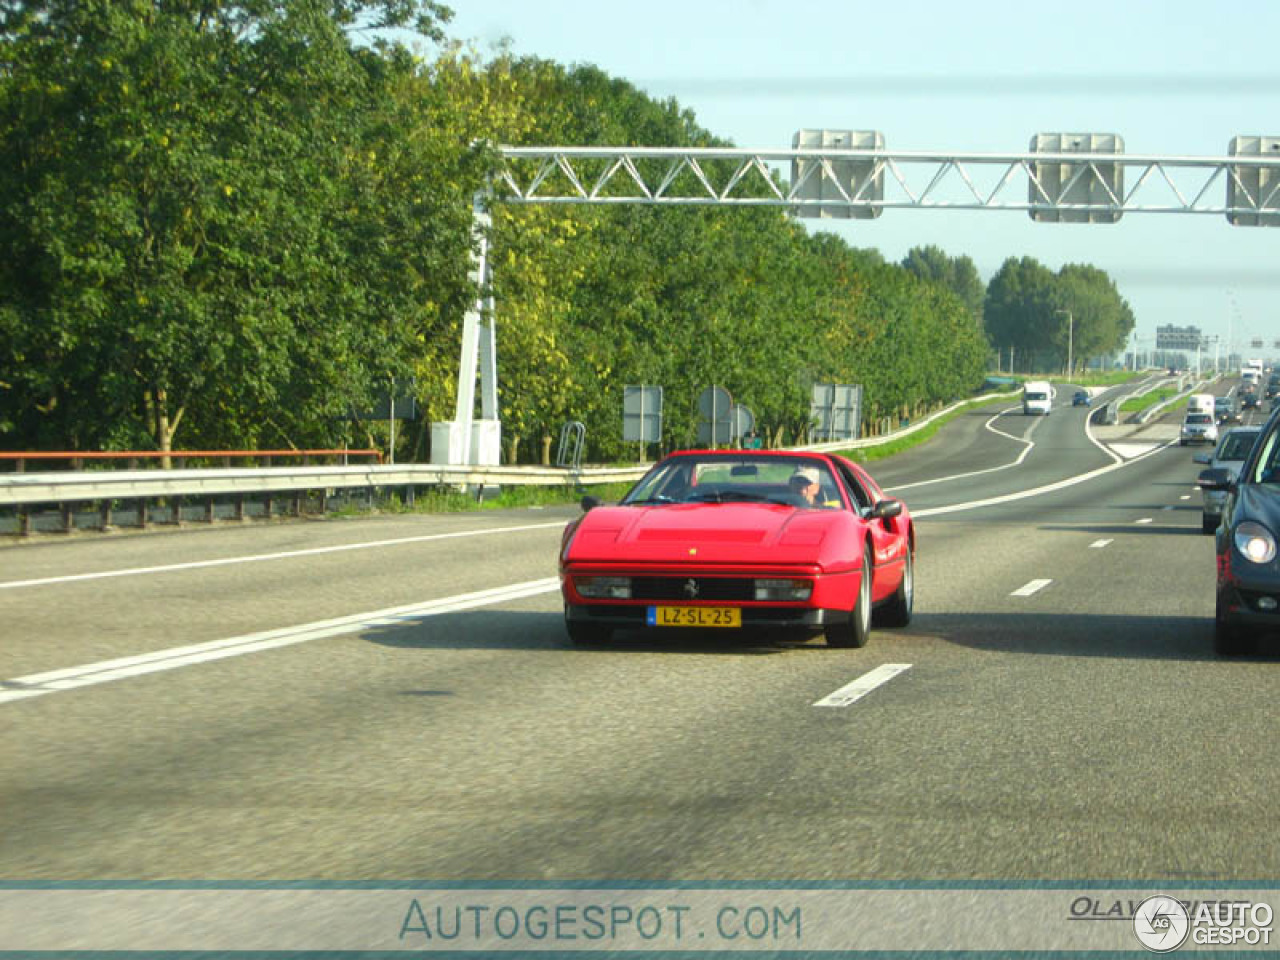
807,482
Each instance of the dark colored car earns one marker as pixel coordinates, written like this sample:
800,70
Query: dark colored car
1229,454
1226,409
1080,399
1248,583
1250,401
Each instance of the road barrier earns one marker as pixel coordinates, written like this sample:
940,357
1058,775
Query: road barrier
21,490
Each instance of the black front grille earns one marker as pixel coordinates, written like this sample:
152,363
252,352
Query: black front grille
687,589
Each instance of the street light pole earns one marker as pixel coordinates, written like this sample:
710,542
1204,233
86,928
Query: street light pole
1070,336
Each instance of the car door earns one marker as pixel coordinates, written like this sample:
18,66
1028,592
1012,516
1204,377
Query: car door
888,540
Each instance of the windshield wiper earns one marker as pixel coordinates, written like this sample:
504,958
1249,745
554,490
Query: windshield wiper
656,498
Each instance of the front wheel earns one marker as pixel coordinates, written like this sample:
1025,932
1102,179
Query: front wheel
857,631
897,612
1229,639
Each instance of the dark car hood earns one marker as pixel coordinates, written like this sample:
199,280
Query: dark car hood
702,533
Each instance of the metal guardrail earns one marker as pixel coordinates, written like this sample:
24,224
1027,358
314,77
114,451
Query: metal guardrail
66,488
35,488
1106,414
136,490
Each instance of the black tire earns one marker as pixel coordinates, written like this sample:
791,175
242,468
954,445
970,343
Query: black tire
1209,523
586,634
1229,639
857,631
897,611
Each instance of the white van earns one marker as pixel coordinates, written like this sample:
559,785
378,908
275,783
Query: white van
1200,403
1037,397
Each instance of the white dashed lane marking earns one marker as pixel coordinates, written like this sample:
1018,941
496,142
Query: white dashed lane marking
853,692
71,678
1029,588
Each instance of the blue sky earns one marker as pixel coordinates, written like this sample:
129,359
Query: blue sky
1172,78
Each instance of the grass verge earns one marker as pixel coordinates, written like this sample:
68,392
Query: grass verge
1149,399
451,500
1111,379
882,450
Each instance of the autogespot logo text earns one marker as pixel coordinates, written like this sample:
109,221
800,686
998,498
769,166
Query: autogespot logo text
1161,923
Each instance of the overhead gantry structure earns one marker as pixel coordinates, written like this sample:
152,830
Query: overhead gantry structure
1066,178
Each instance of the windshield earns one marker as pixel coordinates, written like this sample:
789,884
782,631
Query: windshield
1036,396
1266,468
1199,418
733,479
1237,446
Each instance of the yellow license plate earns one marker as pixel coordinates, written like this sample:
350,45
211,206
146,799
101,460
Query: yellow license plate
695,617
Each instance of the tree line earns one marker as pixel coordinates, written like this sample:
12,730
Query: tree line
229,225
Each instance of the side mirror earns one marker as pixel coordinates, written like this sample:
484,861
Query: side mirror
1218,479
590,502
1202,458
886,509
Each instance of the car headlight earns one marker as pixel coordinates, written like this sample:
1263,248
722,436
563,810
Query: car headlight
1255,542
607,588
783,589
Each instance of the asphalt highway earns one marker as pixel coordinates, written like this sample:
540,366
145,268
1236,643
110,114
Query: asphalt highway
394,698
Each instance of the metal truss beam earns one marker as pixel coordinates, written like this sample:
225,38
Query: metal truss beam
661,176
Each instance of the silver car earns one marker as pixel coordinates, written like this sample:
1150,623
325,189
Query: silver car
1198,428
1228,455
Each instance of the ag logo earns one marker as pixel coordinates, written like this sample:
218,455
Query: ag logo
1161,923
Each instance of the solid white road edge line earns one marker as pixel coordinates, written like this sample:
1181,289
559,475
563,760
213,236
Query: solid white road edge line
1088,432
1034,586
1035,423
1036,491
55,681
855,691
975,473
284,555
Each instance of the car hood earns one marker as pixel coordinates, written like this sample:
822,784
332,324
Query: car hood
702,533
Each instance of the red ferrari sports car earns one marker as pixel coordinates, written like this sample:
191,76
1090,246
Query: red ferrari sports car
739,539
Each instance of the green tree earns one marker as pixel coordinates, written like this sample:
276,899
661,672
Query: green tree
957,274
1019,314
205,227
1101,318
